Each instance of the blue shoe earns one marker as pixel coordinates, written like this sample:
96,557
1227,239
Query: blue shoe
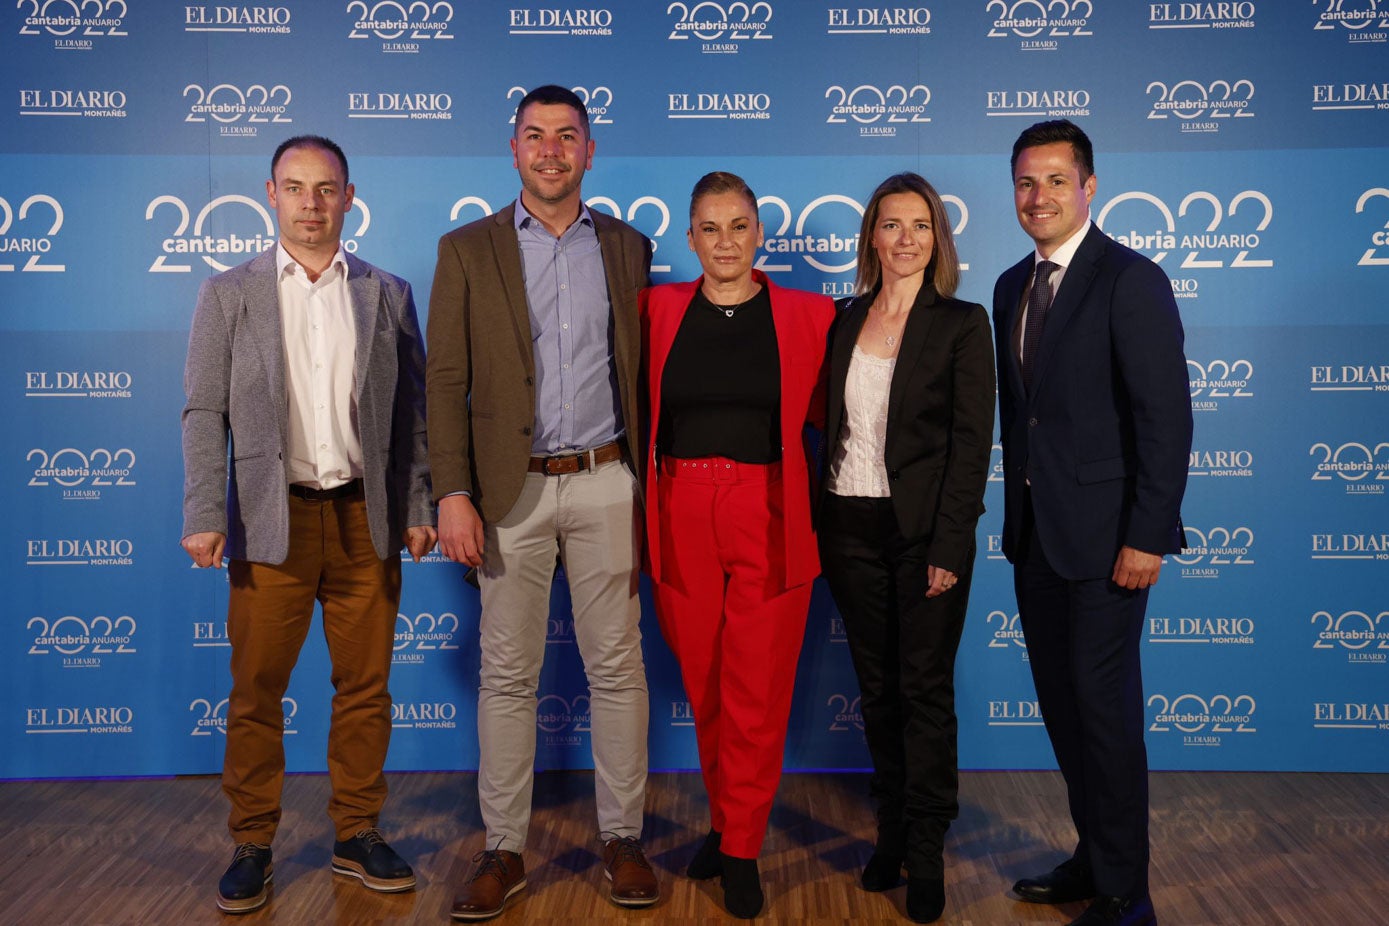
368,858
244,887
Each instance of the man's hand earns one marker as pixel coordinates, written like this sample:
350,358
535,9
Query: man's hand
1135,569
419,541
942,580
460,530
205,548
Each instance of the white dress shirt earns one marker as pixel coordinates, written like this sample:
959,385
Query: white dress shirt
1062,257
320,345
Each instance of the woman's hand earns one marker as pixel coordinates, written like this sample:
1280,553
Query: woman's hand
942,581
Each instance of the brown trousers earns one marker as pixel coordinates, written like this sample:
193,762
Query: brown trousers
331,560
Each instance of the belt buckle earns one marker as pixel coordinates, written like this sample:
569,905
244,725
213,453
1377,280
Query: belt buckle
564,465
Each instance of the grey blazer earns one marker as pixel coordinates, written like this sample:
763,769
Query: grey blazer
235,421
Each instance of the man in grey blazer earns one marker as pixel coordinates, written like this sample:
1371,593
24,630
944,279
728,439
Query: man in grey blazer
534,345
305,464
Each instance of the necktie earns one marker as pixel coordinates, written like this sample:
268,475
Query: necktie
1038,301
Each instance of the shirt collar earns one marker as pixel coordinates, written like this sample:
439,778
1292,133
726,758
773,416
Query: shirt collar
1063,255
524,219
286,264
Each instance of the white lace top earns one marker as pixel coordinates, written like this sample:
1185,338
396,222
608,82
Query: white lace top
856,467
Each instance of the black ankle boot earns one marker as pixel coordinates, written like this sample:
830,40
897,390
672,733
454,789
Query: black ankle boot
742,886
706,862
925,899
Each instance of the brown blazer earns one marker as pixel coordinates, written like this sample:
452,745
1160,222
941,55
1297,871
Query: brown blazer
480,372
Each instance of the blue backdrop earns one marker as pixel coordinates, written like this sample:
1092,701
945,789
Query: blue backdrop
1241,145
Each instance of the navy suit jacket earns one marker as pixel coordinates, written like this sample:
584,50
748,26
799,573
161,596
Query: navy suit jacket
1104,436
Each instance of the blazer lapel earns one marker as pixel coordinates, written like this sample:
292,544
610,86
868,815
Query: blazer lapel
1011,369
262,296
915,337
846,334
1074,285
513,276
364,291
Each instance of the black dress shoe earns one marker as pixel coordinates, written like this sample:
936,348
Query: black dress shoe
742,886
1066,883
882,873
925,899
243,887
1116,911
368,858
706,863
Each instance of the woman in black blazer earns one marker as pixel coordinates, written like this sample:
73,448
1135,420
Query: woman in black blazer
909,427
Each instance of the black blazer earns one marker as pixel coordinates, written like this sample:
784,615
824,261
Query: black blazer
940,418
1104,437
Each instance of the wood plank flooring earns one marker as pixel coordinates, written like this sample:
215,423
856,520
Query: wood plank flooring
1246,849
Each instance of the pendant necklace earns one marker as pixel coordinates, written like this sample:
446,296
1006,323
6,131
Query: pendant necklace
729,310
888,338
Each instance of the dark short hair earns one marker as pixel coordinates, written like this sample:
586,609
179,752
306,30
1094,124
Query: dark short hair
310,141
721,181
943,270
552,95
1057,130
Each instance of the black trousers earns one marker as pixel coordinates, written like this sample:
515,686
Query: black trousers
903,647
1083,639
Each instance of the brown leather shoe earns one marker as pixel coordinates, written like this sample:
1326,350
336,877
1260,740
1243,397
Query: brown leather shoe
498,875
633,881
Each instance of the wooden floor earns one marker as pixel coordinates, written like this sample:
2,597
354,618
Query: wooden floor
1233,849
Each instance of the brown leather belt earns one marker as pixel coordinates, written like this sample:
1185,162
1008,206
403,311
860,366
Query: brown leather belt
576,462
346,490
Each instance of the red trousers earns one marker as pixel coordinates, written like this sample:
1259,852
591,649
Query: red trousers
735,628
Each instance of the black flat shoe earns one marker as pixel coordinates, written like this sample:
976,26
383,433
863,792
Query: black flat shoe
925,899
1117,911
742,886
706,862
1066,883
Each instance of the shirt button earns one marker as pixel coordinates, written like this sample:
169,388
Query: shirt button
322,446
564,286
566,406
1032,422
565,326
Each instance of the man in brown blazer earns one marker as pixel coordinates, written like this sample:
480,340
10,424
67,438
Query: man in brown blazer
532,394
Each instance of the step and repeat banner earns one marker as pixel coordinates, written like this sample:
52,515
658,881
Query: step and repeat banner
1244,146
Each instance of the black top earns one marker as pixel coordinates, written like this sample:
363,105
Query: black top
721,388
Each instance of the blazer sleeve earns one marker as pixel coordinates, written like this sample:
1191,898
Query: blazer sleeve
971,439
409,446
205,422
448,374
1147,338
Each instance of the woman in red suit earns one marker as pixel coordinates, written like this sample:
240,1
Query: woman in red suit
734,372
908,430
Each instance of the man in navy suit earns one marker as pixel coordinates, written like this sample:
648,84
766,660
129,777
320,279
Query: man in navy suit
1095,417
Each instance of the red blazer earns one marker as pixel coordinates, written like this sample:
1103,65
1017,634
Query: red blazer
802,321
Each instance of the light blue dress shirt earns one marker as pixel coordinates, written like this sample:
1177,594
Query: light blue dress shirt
577,406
